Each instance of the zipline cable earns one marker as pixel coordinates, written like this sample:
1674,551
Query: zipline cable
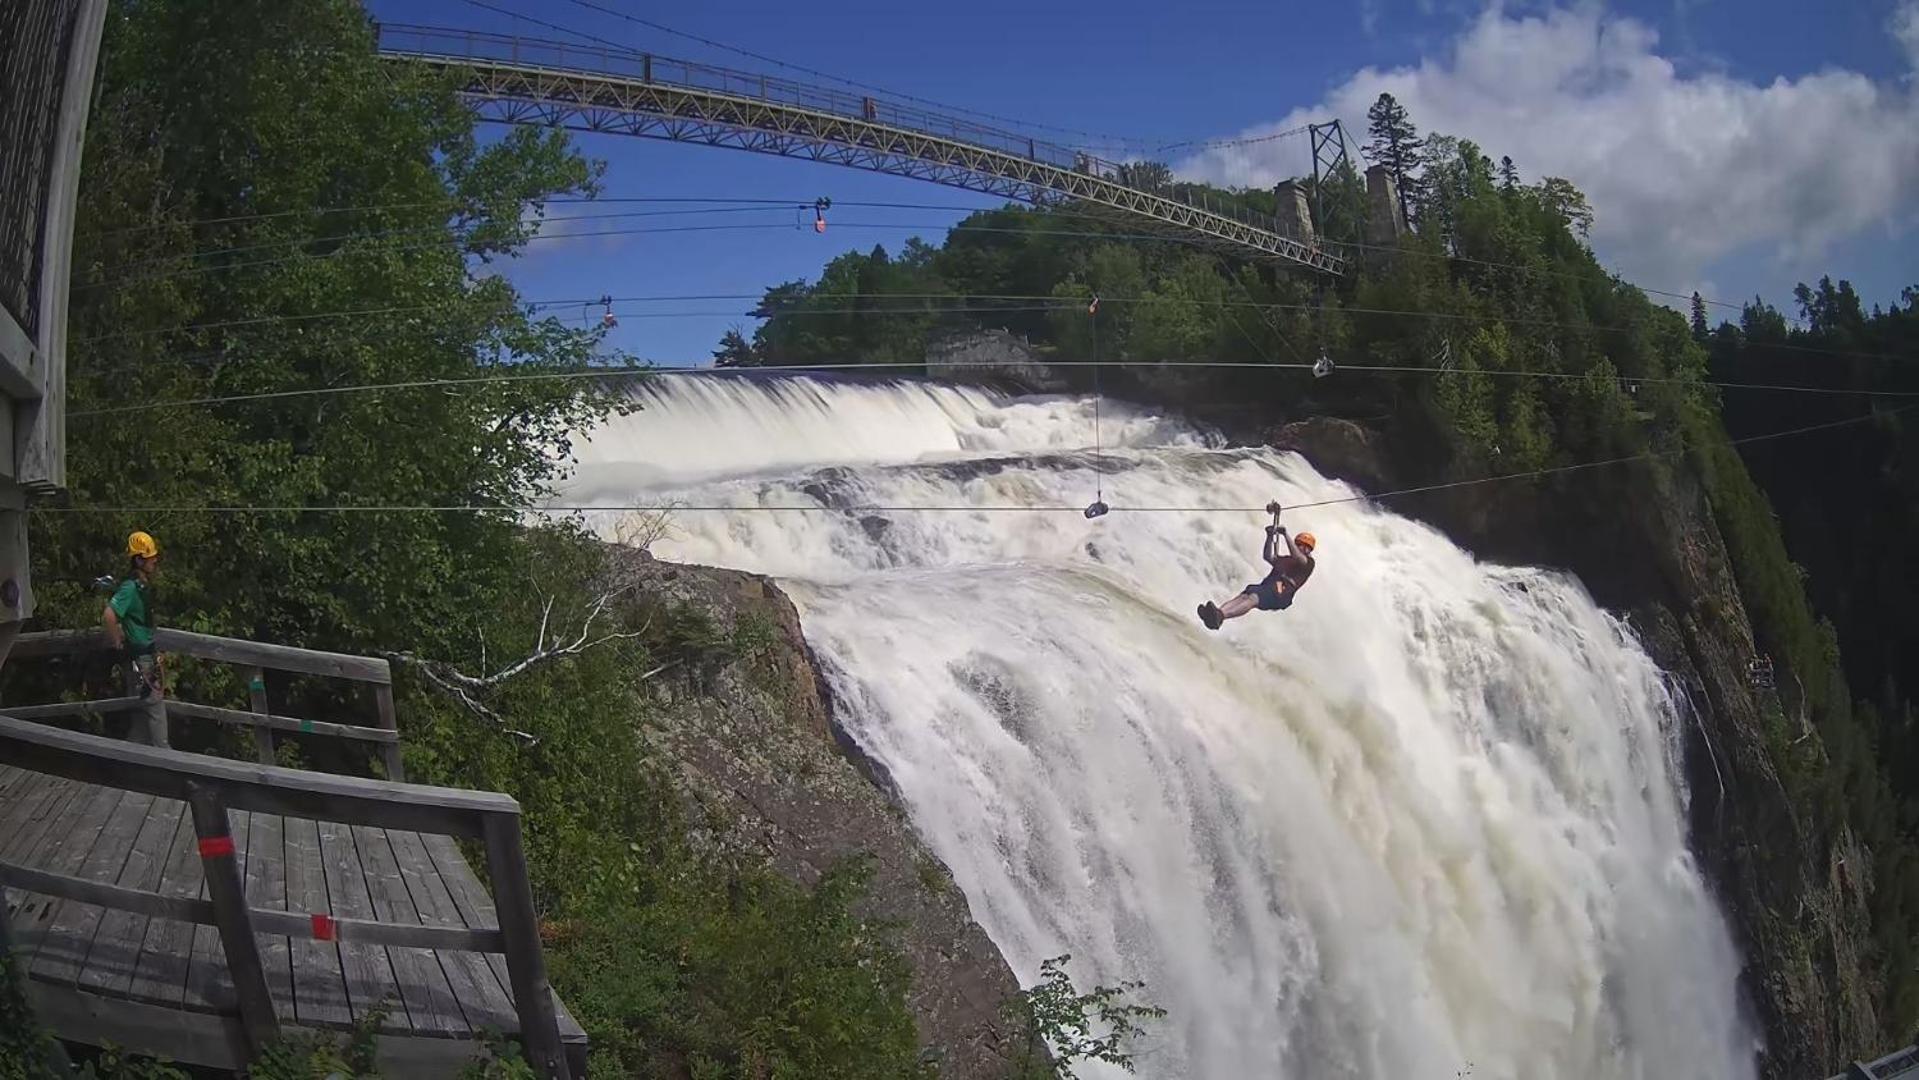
954,509
806,369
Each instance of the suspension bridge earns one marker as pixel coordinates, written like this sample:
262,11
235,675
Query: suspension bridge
605,88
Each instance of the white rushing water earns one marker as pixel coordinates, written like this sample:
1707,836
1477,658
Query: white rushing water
1426,823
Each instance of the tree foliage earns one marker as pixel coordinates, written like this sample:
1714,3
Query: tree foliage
1395,143
1059,1026
267,206
248,168
1846,505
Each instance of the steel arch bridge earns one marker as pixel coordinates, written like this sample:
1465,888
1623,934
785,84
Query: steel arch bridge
520,80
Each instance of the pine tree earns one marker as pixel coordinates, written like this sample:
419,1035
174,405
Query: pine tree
1508,176
1700,330
1396,144
735,351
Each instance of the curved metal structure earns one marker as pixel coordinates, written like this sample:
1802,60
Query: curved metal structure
594,88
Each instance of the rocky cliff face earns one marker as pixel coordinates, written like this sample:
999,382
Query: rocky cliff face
766,774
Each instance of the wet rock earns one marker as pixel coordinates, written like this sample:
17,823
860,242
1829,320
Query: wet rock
769,775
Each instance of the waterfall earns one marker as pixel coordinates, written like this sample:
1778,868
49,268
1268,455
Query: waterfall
1429,822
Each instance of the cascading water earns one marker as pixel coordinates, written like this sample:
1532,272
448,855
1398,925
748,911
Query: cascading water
1426,823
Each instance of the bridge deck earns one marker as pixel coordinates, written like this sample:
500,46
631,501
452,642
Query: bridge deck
78,953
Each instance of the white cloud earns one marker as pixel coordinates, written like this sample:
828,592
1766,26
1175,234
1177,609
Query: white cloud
1682,170
1905,29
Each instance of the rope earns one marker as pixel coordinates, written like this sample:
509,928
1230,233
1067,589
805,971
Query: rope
779,204
1047,303
877,508
1099,473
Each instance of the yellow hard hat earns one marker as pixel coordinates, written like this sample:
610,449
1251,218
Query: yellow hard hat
1306,541
142,545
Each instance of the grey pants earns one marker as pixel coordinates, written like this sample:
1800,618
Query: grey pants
150,725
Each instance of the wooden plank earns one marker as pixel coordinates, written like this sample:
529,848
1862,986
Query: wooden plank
525,965
99,707
88,1018
63,849
26,819
10,776
390,722
430,1004
480,993
266,921
25,801
210,647
46,643
377,932
249,786
160,974
118,898
319,984
226,887
71,929
469,898
218,1042
370,981
256,680
266,889
116,945
278,723
209,987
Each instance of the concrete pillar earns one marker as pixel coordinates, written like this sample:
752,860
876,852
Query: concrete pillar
1295,220
1385,223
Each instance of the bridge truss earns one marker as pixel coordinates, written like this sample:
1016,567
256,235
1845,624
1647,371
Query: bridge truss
521,80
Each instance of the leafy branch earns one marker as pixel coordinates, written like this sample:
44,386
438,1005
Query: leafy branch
1059,1026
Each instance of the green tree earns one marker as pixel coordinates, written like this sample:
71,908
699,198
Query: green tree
1566,202
1700,330
214,262
1059,1027
1508,176
735,351
1396,144
1146,175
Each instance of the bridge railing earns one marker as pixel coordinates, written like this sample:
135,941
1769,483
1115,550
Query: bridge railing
212,786
647,67
254,660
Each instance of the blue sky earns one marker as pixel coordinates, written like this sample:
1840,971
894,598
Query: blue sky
1734,146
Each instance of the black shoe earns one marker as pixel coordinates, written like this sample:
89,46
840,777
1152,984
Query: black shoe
1209,614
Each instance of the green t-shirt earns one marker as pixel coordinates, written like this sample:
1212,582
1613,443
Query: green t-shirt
130,607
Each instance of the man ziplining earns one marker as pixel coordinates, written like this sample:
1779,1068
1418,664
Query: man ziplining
1275,591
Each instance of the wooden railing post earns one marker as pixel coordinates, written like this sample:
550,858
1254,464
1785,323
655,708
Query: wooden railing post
228,894
256,678
389,720
520,931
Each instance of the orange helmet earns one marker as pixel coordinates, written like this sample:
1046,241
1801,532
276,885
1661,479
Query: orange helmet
1306,541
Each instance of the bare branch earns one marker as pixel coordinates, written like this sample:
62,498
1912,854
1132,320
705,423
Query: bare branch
455,686
649,676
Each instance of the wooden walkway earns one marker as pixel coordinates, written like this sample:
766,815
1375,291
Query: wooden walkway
196,907
75,951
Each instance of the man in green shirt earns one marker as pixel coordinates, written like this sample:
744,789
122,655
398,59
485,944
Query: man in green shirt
129,622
